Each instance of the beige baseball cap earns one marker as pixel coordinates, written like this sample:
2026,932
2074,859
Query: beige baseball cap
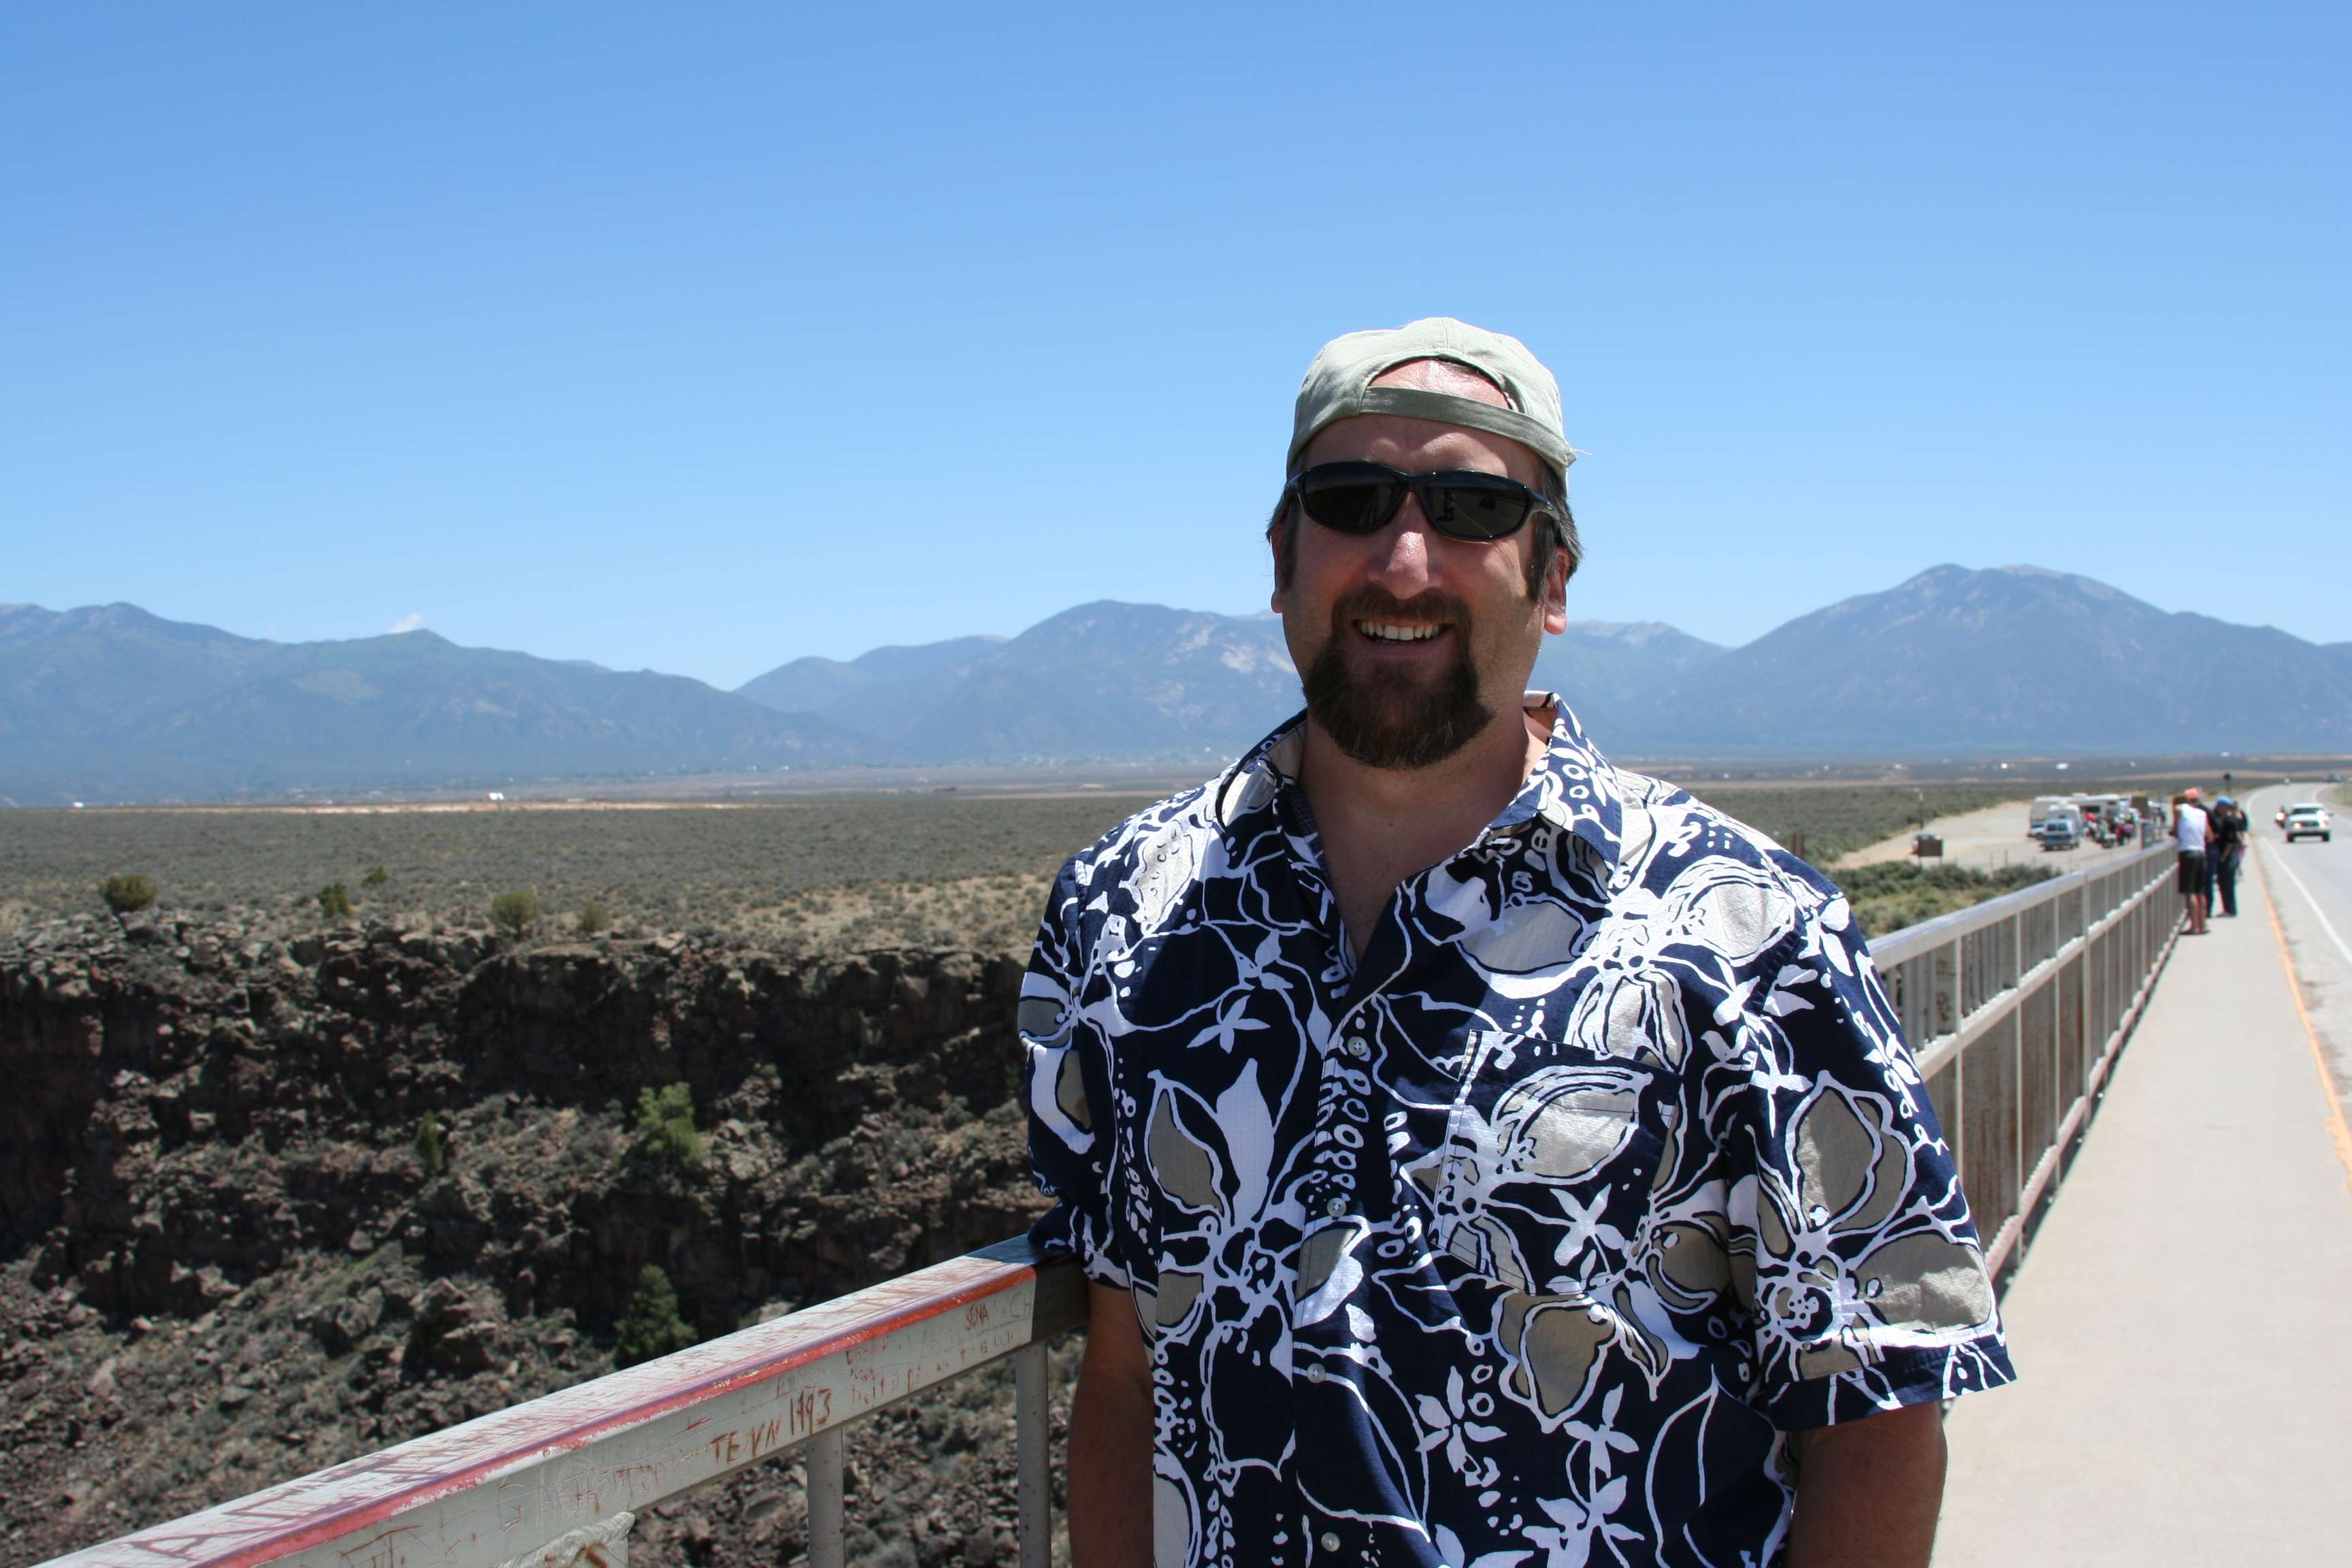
1338,385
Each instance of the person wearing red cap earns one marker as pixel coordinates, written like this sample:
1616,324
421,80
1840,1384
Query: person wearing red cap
2192,829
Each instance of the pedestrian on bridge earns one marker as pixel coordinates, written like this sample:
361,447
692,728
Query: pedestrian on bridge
2191,830
2224,851
1480,1153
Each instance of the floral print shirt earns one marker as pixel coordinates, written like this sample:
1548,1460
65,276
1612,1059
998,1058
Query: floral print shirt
1529,1238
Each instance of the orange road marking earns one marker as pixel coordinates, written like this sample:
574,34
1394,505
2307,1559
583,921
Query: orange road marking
2337,1132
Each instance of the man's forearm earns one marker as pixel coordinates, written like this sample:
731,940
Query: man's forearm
1868,1491
1110,1441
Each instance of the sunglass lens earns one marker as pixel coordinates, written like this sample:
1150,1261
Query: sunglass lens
1468,510
1351,505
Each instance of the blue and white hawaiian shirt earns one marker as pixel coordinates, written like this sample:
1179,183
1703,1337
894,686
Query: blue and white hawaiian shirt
1529,1238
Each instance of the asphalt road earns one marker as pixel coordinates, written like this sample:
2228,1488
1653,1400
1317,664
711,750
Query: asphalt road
2310,884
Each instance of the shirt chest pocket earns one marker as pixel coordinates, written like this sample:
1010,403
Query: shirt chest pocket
1546,1151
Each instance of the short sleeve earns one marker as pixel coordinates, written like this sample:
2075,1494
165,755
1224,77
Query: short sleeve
1064,1079
1869,1288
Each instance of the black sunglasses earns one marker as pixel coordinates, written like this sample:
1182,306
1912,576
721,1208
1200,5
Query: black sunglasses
1360,498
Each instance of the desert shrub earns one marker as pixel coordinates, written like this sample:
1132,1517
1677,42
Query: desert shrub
514,914
593,918
1893,894
124,894
376,878
1835,820
450,863
334,900
665,1126
652,1326
429,1144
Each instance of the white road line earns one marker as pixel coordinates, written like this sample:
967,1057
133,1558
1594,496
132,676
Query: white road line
2280,861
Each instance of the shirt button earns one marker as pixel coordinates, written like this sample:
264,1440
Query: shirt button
1331,1541
1313,1372
1336,1208
1357,1048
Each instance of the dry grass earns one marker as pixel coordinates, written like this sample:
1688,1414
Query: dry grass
842,875
1837,819
861,873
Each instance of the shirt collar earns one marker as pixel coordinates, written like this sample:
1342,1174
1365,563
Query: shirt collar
1572,786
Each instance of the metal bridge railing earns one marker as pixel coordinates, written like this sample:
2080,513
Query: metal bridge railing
558,1481
2016,1009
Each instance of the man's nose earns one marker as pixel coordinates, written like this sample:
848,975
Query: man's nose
1403,565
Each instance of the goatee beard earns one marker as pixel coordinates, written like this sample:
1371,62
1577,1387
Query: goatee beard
1381,716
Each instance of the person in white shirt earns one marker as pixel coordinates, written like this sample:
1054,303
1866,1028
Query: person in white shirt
2190,828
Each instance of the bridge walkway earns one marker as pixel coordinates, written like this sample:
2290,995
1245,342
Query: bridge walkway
2183,1325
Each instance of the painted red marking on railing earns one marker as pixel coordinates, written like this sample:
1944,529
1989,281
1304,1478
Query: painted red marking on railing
811,1410
321,1507
765,1436
379,1552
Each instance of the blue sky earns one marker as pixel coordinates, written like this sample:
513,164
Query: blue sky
699,338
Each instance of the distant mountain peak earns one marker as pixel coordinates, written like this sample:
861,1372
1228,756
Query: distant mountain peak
33,621
2013,659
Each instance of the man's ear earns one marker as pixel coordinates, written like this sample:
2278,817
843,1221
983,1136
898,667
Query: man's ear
1555,594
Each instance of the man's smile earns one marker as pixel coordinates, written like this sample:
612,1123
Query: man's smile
1399,631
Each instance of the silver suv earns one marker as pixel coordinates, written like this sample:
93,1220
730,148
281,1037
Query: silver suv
2060,832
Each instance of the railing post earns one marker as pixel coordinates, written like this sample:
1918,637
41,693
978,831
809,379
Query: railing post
827,1452
1035,1437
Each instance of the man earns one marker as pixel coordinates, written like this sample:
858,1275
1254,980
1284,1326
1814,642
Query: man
2225,851
1480,1155
2190,828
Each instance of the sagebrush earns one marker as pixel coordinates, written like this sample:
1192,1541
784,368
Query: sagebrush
1893,894
429,1144
515,915
665,1126
125,894
652,1327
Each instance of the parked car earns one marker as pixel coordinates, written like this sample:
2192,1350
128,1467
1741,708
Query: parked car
2047,807
2063,832
2307,819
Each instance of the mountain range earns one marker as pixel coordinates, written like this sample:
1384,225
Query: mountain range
114,704
1142,682
111,702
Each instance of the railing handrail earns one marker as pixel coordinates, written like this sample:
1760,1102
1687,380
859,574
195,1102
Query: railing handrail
500,1489
2015,1012
1910,942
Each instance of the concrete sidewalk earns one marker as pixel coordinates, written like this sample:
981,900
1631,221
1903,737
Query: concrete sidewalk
2180,1327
